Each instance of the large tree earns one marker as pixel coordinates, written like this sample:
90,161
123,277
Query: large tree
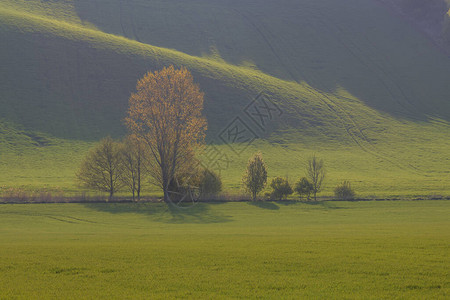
316,173
165,114
102,167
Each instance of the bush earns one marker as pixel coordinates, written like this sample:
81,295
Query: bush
210,183
281,188
202,182
344,191
255,176
185,185
304,188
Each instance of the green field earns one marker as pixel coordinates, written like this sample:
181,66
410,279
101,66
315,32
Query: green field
356,84
384,175
360,250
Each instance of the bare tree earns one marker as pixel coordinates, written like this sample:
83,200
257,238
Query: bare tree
255,177
315,173
132,153
101,168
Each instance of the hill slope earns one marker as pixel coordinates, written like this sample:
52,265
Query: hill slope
346,76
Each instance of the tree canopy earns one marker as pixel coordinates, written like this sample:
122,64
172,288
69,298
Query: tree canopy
165,115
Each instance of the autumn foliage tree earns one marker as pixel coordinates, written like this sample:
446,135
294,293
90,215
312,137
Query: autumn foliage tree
165,115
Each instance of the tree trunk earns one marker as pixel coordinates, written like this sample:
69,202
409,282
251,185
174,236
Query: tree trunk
111,184
165,183
139,182
139,193
166,196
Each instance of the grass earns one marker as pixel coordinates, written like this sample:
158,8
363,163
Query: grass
367,250
388,174
233,85
373,105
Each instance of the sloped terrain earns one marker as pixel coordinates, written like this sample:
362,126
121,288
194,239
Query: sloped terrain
347,75
430,17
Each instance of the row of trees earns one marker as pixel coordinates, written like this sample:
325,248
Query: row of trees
122,165
166,130
165,126
114,166
255,179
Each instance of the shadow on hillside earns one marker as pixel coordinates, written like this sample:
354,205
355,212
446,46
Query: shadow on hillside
265,205
160,212
337,59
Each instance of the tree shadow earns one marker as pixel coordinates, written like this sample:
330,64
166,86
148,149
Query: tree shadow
319,204
333,205
160,212
265,205
289,202
324,204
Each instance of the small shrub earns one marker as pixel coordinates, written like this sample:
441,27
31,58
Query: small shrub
304,188
344,191
205,182
180,184
280,188
210,183
255,176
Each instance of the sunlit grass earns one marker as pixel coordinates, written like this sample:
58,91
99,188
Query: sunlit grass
410,173
381,155
367,250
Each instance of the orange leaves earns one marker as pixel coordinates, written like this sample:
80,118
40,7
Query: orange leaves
165,113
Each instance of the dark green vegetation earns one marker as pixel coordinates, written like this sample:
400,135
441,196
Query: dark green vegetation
357,85
431,17
363,250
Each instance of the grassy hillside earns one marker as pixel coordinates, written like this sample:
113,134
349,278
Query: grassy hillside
354,83
356,45
446,30
369,250
429,17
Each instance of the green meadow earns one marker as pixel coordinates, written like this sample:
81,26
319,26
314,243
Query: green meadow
356,85
394,172
372,103
352,250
